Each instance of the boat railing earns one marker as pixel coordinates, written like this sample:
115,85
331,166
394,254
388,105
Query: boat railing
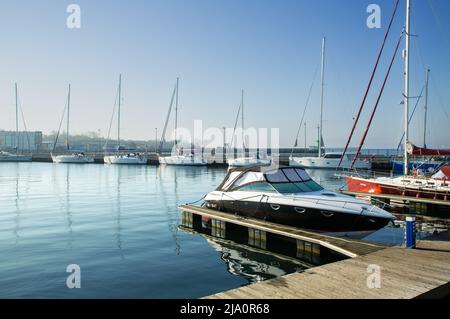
345,204
363,174
326,202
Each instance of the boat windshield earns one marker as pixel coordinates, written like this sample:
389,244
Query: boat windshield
295,180
283,180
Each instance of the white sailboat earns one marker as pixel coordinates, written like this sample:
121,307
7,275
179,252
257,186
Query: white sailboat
330,161
123,158
12,157
15,157
178,158
246,161
327,160
74,158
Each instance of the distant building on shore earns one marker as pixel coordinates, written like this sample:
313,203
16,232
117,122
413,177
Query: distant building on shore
23,141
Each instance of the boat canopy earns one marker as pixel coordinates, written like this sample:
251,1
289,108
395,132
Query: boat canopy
444,173
414,150
282,180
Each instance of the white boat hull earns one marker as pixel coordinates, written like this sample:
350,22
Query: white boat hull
182,160
124,160
15,158
327,163
72,159
248,161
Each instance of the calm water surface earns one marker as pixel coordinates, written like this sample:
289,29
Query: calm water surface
120,225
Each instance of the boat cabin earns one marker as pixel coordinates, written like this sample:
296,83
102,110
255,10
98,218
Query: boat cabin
286,180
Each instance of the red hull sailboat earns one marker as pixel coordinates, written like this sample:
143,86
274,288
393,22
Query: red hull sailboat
435,187
412,183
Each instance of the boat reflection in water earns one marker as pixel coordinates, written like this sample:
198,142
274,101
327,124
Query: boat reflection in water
257,255
253,264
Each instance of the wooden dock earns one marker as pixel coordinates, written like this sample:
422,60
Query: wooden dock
346,246
403,274
423,272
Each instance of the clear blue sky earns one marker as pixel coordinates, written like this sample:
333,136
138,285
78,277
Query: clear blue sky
269,48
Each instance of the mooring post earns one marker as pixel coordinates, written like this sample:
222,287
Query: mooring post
410,232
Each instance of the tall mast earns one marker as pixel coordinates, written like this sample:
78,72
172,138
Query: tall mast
426,109
318,138
118,113
321,96
305,135
17,119
406,55
68,120
176,114
243,126
156,140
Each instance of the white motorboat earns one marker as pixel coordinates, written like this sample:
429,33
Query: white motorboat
289,196
330,161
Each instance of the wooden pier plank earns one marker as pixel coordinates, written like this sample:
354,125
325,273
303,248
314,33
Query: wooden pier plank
405,273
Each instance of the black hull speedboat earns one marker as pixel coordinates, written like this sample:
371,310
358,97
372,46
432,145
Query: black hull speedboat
290,197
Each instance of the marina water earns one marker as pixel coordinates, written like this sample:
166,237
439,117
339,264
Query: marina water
120,224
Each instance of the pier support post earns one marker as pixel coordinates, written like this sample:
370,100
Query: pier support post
187,219
410,232
218,228
257,238
308,251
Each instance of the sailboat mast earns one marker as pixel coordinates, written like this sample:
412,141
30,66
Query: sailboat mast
305,135
318,138
118,113
68,120
321,96
176,114
243,125
426,109
406,55
17,118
